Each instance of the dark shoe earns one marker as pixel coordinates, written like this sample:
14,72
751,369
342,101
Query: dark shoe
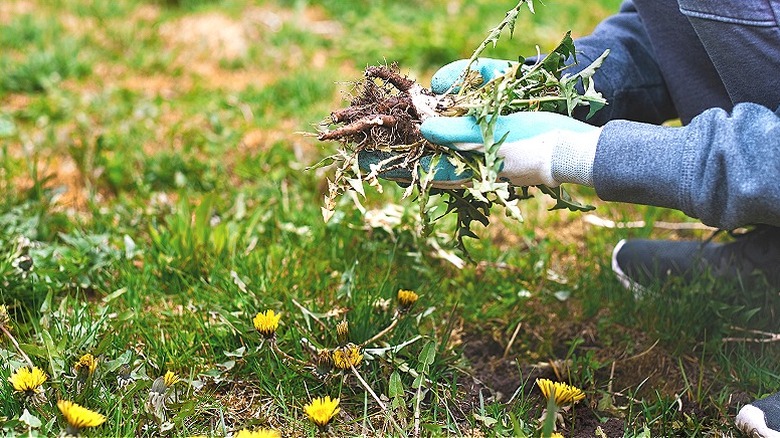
641,263
761,419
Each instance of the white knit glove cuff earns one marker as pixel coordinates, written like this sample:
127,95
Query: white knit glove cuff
573,156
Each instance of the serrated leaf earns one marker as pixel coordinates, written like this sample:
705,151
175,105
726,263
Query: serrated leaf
564,200
357,185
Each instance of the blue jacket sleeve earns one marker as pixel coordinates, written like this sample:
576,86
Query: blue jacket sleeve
630,78
722,168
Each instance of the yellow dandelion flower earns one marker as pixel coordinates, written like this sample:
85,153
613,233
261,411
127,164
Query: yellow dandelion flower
27,379
86,362
170,379
347,356
260,433
322,410
563,393
406,299
556,435
267,322
79,417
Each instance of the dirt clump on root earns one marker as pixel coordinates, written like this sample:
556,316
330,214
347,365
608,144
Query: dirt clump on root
384,116
381,112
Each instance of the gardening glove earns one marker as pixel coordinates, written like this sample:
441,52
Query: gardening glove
446,176
488,68
539,148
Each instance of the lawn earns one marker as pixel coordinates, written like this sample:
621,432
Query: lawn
156,206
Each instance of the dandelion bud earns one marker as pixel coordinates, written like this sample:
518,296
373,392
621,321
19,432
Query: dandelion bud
342,329
158,386
323,362
87,363
5,318
406,299
124,376
155,403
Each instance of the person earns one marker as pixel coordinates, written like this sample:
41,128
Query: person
713,65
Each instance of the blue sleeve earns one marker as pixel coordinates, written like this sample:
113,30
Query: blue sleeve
630,78
723,168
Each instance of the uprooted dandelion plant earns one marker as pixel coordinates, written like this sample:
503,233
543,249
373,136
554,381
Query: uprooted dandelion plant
387,108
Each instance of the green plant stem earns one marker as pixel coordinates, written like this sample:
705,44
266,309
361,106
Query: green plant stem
16,345
378,400
492,38
286,356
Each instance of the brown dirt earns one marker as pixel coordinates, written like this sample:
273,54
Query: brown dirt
585,423
202,41
208,36
501,377
16,102
636,366
12,9
60,173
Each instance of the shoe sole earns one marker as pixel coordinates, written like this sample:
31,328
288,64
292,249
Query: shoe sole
752,421
637,289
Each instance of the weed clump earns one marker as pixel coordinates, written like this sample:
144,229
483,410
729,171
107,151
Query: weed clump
387,108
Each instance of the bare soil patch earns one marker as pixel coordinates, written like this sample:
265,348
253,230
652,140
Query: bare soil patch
634,367
12,9
207,36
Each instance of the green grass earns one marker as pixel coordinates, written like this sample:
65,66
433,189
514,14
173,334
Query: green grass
154,199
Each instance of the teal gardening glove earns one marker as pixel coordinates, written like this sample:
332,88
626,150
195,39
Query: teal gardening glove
539,148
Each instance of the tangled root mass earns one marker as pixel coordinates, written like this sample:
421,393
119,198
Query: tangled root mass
382,112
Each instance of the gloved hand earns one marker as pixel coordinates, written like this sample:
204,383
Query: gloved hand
446,175
540,148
